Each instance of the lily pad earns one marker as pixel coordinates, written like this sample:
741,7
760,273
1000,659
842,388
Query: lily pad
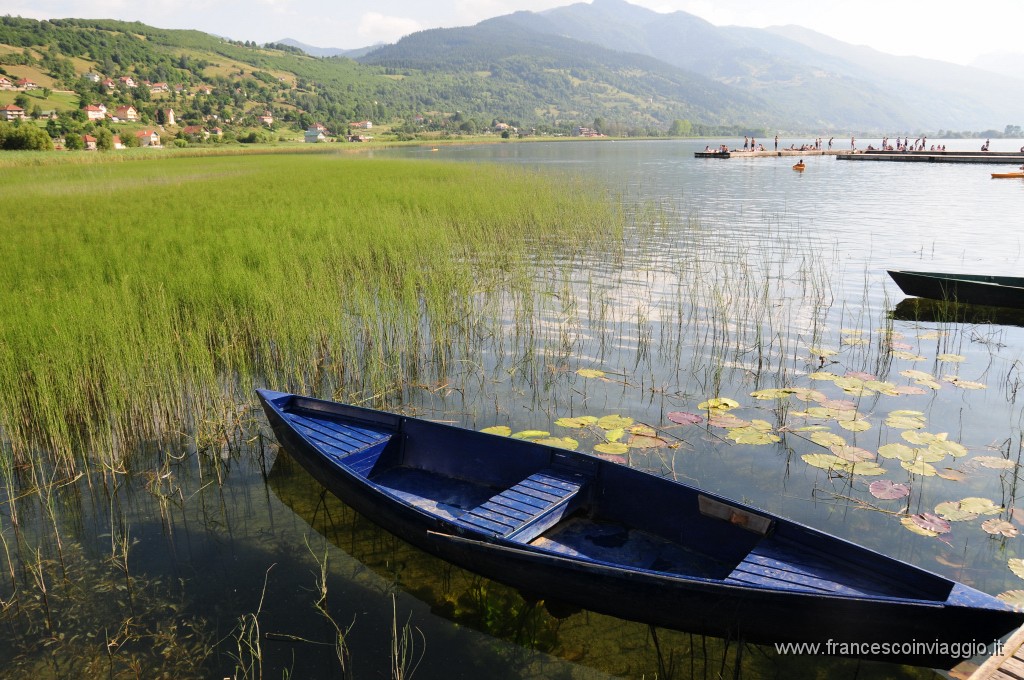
503,430
683,418
982,506
947,448
590,373
964,384
908,356
615,435
752,435
994,462
614,421
577,422
642,441
953,358
531,434
931,522
868,468
560,442
612,448
1016,566
923,438
919,467
827,439
898,451
1014,598
954,512
825,461
888,490
854,454
718,404
726,420
855,425
1000,527
770,394
913,526
822,352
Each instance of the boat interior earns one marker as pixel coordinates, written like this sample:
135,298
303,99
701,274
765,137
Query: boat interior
504,489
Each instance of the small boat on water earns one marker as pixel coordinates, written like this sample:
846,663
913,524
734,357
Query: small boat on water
1008,175
799,167
577,528
975,289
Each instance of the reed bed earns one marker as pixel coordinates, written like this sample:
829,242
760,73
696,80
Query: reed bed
144,297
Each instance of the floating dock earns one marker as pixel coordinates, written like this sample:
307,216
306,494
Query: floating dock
1001,157
1006,666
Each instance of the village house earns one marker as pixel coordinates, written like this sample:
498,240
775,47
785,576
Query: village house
12,112
313,135
204,89
266,119
321,127
93,77
90,142
216,132
169,117
128,113
127,81
154,88
108,84
148,138
117,143
359,138
26,84
5,83
95,111
195,131
363,125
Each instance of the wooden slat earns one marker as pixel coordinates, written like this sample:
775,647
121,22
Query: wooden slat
1005,666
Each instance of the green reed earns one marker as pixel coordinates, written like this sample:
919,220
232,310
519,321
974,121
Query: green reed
142,297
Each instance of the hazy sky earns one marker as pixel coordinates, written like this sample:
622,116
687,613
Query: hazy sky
956,32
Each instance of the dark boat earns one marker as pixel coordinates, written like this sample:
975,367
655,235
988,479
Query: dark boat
573,527
974,289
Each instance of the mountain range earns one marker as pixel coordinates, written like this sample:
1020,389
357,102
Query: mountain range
787,76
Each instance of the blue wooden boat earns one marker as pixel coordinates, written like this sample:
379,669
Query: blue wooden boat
574,527
973,289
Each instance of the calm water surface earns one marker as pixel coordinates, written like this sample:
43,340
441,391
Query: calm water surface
737,275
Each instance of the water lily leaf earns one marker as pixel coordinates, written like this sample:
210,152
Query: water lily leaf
825,461
812,428
923,438
954,512
929,455
530,434
839,405
1016,565
718,404
855,341
909,389
823,375
897,450
726,420
913,526
953,358
1018,515
752,435
762,425
683,418
888,490
866,467
952,475
615,435
994,462
827,439
807,394
822,352
855,425
932,335
612,448
640,441
614,421
999,527
930,522
851,331
818,412
861,375
904,422
590,373
854,386
853,454
914,374
577,422
560,442
982,506
768,395
503,430
919,467
882,387
948,448
643,429
964,384
909,356
1014,598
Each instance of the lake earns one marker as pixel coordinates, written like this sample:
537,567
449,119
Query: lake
736,277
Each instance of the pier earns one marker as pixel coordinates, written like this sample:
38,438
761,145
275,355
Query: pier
1006,666
1000,157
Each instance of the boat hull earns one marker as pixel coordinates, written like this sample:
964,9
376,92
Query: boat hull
804,608
975,289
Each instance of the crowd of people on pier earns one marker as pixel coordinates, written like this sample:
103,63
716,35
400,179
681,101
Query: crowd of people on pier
899,144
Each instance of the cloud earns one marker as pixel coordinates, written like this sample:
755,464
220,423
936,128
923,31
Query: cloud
375,27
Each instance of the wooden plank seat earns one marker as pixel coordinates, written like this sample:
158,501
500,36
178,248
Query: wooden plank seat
356,447
524,511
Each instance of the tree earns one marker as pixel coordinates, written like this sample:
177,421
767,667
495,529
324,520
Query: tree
129,139
680,128
104,139
21,100
74,142
24,137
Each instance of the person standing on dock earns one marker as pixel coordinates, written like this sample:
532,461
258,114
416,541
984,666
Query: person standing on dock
777,143
746,143
853,143
830,143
